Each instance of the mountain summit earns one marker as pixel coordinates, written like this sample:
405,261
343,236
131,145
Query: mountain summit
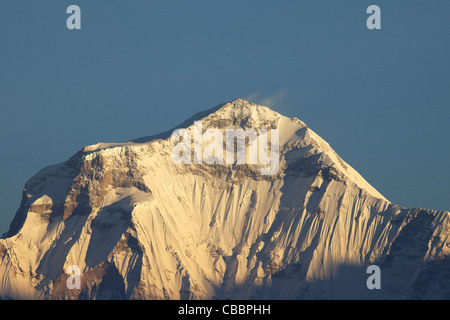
138,225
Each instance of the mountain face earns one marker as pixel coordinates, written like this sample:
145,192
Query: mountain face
140,226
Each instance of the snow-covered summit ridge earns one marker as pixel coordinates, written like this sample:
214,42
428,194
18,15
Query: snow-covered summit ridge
240,113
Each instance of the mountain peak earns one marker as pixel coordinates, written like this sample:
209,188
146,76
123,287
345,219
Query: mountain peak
234,111
242,106
240,103
294,135
137,225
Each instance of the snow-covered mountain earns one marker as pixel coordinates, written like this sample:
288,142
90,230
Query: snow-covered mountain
140,226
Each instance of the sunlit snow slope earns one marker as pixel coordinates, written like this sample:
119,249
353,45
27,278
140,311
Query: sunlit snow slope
141,227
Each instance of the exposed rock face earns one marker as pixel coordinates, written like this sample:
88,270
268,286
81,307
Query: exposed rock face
141,227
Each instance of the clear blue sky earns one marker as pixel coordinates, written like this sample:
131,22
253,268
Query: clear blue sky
381,98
